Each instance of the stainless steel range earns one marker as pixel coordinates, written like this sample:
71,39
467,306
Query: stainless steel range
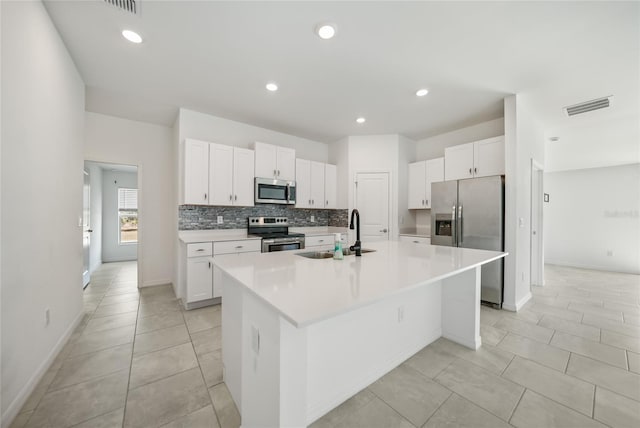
275,234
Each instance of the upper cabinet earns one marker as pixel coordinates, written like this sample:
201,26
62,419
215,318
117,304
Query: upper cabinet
478,159
421,175
274,162
315,184
215,174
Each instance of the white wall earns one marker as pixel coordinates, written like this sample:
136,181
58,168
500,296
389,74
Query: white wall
433,147
112,250
524,140
42,178
406,155
593,213
121,141
339,156
95,219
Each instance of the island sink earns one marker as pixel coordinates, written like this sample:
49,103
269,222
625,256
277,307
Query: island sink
329,254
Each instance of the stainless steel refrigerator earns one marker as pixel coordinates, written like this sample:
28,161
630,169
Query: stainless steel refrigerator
470,213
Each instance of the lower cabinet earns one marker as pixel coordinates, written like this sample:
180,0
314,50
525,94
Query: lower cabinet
199,279
415,239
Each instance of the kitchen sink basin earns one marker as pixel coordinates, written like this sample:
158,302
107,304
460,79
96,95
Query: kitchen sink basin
329,254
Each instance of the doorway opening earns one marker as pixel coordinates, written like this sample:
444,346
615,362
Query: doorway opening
372,201
110,219
537,225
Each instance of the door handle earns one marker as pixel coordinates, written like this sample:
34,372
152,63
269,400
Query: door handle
384,231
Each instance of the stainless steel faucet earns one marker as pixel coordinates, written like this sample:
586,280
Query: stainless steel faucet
357,247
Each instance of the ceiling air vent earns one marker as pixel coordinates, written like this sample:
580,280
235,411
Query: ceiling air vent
588,106
129,6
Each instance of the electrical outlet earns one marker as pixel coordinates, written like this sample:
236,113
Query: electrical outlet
523,276
400,313
313,219
220,219
521,222
47,317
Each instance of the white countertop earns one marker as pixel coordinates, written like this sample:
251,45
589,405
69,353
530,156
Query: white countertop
191,236
305,291
318,230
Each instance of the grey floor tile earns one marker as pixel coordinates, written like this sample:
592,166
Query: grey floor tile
21,420
115,308
413,395
488,357
108,420
153,366
539,352
159,339
224,406
596,310
112,321
625,308
154,308
614,326
524,328
566,390
524,315
491,335
430,360
211,366
490,316
39,391
122,289
348,407
558,312
202,418
203,318
493,393
616,410
535,411
571,327
461,413
90,366
634,361
613,378
78,403
374,414
159,321
97,341
166,400
632,319
205,341
120,298
588,348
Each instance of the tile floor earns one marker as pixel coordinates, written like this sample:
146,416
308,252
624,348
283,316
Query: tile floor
570,358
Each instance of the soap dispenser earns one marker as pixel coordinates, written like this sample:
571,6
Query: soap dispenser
337,247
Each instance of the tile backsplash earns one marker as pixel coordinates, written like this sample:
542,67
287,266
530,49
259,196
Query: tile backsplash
198,217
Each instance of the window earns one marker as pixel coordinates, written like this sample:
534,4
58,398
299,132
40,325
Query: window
128,216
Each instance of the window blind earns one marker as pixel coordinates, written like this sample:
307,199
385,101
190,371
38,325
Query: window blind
127,199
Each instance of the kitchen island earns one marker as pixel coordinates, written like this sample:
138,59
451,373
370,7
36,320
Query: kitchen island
302,335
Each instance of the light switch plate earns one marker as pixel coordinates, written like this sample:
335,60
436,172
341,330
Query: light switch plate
313,219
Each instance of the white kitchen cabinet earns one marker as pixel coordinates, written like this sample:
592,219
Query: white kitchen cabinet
196,172
478,159
243,183
274,161
316,191
199,272
232,247
230,175
310,184
330,186
421,175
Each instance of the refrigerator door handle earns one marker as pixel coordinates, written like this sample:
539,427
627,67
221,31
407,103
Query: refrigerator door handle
460,225
454,231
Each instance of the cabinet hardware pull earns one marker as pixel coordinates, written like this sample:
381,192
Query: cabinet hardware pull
309,201
416,242
384,231
320,240
423,202
475,170
231,197
278,173
209,265
238,247
200,249
274,173
427,203
205,196
236,197
327,201
469,170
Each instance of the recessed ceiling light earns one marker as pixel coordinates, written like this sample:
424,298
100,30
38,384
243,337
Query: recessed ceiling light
361,120
422,92
132,36
272,87
326,31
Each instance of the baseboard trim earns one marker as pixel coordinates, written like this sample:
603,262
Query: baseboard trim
519,304
155,282
635,271
16,405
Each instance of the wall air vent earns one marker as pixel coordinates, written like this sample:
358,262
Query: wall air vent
130,6
588,106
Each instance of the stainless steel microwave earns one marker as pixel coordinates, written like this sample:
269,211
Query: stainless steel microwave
270,191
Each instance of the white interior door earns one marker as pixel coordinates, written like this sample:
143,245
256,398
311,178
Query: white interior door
372,201
537,246
86,229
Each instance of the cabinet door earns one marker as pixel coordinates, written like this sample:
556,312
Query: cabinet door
303,184
488,157
196,172
417,177
458,162
199,279
220,174
435,173
265,160
286,163
243,165
330,186
316,192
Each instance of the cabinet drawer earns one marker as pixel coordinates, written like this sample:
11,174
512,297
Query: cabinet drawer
314,241
232,247
200,249
415,239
